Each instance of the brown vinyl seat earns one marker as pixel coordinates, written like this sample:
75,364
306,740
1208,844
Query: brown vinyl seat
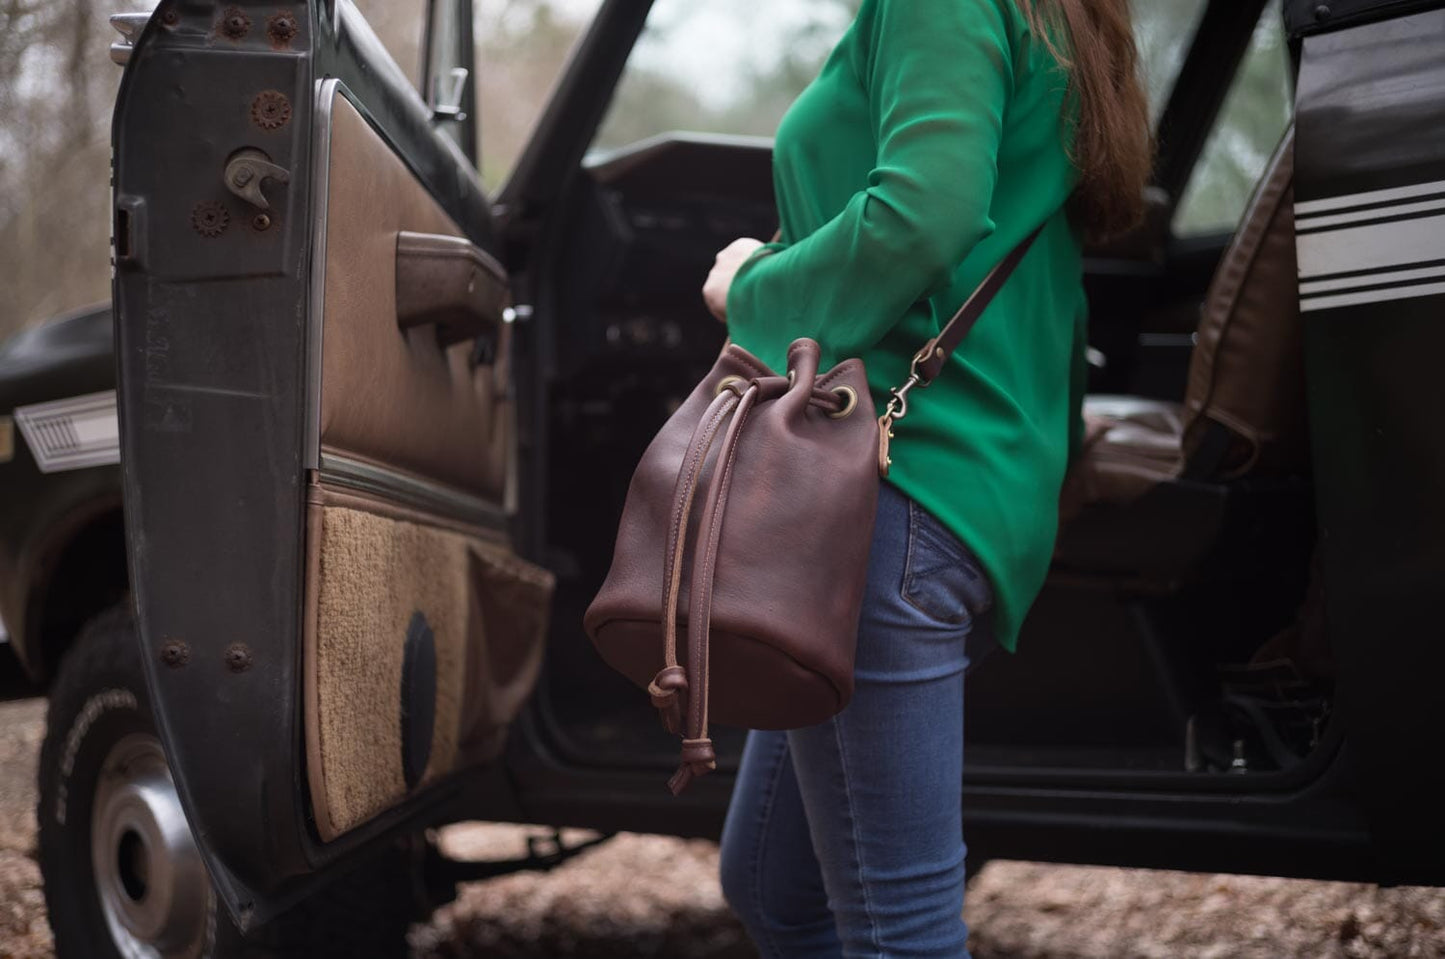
1148,464
1243,409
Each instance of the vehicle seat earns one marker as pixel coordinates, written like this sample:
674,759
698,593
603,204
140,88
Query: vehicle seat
1146,462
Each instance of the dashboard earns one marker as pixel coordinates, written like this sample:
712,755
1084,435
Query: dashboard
650,219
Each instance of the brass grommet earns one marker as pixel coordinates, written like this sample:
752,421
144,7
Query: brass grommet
727,384
850,402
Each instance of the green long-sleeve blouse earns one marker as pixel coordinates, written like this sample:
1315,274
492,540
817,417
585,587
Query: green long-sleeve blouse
930,144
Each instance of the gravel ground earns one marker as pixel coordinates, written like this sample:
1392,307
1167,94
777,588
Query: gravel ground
652,896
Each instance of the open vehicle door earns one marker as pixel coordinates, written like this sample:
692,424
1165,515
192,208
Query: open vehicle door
317,432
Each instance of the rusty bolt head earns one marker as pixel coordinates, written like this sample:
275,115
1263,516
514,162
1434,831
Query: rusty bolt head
243,176
235,24
209,219
281,28
238,657
175,654
170,18
261,222
270,110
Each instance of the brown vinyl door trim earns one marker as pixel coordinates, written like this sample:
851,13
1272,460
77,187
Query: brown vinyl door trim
407,489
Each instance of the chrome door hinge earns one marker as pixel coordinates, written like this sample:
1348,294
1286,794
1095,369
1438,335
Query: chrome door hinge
129,25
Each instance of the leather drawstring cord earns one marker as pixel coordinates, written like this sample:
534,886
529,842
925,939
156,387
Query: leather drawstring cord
698,757
670,686
676,691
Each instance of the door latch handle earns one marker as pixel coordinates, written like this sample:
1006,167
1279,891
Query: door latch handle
450,90
245,172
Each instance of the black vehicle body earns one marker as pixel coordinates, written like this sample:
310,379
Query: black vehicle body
60,559
1065,739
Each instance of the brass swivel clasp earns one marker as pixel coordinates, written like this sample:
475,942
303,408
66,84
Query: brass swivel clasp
897,407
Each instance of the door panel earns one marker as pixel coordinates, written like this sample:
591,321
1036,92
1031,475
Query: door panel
394,396
317,436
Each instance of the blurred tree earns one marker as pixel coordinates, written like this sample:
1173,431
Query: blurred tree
683,76
521,47
57,86
57,91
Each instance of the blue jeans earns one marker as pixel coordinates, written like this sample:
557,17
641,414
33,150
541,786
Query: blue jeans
846,838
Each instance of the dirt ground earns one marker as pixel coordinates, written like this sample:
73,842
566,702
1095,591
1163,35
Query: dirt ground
653,896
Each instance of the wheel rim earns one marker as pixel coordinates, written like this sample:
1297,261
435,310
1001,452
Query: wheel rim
154,891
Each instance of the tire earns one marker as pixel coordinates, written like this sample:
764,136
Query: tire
107,899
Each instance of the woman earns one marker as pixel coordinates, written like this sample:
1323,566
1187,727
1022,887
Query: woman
937,136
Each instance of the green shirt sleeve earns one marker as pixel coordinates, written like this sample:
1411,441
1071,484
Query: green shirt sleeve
937,74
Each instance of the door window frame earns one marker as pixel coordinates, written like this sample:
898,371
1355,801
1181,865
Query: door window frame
1221,117
1201,88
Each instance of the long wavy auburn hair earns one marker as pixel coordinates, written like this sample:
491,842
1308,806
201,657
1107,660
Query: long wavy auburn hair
1113,149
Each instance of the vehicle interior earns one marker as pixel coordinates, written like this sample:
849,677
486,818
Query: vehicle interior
1177,637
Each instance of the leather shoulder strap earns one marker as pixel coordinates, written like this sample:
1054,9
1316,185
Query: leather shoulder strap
929,361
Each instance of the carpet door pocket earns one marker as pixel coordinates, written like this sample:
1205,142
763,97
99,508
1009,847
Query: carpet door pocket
423,639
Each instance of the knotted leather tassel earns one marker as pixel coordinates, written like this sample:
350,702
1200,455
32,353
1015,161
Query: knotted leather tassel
668,690
698,759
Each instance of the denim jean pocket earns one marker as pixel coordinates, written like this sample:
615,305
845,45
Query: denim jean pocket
941,578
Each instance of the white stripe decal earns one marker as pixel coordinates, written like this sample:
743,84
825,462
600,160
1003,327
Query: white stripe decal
1393,195
1377,213
1387,278
1375,247
72,433
1371,296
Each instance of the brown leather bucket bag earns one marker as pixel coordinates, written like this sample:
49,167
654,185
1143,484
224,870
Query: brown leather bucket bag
758,496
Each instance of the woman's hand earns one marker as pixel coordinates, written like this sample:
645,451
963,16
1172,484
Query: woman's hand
725,267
